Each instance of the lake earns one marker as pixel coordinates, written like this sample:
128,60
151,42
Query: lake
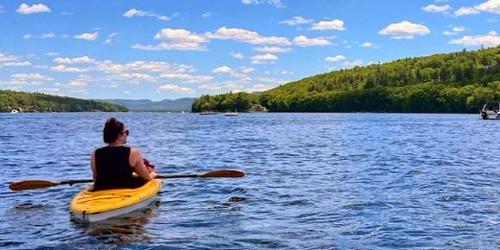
314,181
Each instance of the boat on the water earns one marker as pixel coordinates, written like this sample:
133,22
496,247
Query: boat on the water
14,111
490,111
92,206
235,113
208,113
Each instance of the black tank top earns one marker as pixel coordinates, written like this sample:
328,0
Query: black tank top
113,169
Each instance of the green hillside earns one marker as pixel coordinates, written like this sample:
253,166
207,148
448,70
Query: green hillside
37,102
457,82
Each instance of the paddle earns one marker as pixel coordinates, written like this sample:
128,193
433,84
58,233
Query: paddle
35,184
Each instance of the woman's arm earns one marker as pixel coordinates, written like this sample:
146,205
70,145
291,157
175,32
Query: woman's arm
137,162
92,165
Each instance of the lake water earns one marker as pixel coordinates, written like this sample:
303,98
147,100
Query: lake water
314,181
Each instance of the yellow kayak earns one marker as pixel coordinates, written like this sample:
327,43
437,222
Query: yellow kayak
104,204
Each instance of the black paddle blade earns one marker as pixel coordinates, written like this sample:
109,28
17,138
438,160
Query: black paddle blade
31,184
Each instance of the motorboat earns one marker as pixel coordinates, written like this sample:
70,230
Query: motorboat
235,113
490,111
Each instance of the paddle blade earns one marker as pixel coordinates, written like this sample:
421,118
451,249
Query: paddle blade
31,184
228,173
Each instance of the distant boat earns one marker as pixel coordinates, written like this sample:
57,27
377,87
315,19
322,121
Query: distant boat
182,112
490,111
208,113
231,113
257,108
14,111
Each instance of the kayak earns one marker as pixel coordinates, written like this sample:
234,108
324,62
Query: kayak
100,205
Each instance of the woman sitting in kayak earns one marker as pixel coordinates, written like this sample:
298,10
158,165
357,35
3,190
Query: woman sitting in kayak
113,165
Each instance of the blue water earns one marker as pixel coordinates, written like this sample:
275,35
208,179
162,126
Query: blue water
314,181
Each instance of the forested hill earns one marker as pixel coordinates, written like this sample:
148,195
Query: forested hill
37,102
166,105
458,82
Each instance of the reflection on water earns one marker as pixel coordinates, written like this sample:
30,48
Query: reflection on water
127,229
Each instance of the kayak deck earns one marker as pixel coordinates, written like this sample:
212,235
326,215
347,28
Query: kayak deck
104,204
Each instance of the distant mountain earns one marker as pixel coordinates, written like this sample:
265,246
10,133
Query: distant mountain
177,105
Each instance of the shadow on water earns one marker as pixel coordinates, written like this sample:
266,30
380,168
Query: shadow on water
130,228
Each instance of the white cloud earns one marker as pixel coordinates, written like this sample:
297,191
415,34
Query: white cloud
492,6
35,8
222,70
264,58
276,3
176,39
109,39
64,68
42,36
247,70
465,11
432,8
176,88
303,41
296,20
367,45
75,60
247,36
491,39
135,12
337,58
352,64
272,49
87,36
134,77
187,77
12,61
404,30
237,55
206,14
329,25
29,79
455,30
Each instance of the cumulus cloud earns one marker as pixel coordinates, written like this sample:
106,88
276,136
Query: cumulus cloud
455,30
304,41
42,36
247,70
109,39
176,39
237,55
75,60
222,70
465,11
276,3
367,45
264,58
296,20
491,39
329,25
333,59
87,36
7,60
432,8
206,14
135,12
187,77
492,6
246,36
29,79
64,68
272,50
33,9
176,88
404,30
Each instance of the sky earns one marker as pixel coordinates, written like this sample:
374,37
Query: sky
159,49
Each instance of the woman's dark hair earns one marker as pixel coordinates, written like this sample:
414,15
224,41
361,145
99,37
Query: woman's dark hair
112,129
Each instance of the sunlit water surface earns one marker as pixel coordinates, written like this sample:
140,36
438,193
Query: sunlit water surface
314,181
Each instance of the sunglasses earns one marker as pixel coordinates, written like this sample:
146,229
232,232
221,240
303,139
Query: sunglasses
126,132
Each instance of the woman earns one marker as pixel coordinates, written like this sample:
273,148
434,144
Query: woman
113,165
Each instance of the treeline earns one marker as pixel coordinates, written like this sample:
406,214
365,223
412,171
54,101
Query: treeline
457,82
38,102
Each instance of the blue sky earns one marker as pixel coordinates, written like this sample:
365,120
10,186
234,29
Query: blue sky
171,49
